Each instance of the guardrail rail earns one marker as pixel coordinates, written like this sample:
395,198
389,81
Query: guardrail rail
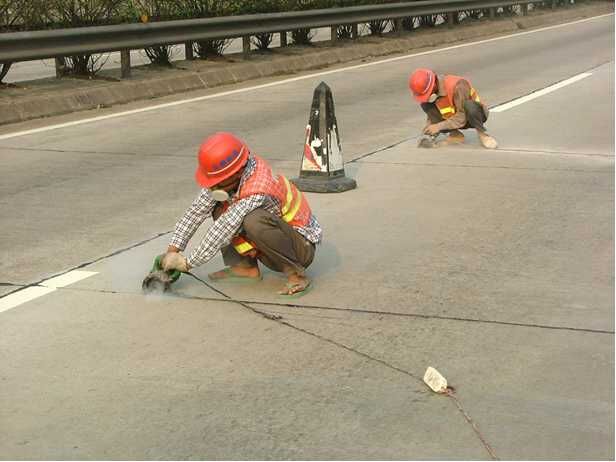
33,45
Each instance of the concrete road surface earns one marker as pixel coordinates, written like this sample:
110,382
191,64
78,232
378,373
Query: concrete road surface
495,267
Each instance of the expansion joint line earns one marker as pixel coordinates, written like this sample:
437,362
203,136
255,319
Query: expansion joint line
279,319
384,148
398,314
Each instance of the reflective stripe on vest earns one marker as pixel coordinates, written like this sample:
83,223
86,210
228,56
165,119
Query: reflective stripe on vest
446,111
293,201
241,245
475,96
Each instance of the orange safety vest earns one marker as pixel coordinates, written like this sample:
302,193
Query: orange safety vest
445,103
294,208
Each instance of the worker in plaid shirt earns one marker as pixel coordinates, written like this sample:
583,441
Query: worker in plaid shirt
257,217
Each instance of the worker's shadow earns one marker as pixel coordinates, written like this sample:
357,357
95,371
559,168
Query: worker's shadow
326,260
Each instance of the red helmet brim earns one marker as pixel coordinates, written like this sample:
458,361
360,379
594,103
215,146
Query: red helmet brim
422,98
207,182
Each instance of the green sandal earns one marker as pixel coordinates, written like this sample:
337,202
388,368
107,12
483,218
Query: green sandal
297,294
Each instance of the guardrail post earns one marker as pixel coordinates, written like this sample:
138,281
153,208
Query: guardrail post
283,39
451,18
188,51
354,31
246,46
524,9
125,63
398,26
492,12
60,66
333,34
553,4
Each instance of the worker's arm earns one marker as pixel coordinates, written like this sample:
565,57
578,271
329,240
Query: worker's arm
195,215
224,229
461,93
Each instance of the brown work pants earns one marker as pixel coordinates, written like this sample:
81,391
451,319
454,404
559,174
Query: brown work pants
475,116
280,247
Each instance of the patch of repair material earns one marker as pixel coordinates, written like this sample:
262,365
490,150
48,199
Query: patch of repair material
45,287
123,271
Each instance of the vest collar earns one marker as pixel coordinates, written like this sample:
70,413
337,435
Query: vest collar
441,86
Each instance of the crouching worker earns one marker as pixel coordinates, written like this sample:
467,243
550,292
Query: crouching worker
257,217
451,104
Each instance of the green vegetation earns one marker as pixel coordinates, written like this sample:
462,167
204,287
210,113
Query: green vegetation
18,15
26,15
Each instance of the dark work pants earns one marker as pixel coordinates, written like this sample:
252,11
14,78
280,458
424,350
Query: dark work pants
280,247
475,117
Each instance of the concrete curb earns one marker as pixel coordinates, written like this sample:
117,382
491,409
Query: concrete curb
20,104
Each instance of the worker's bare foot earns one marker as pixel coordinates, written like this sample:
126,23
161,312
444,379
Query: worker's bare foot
486,140
455,137
236,272
295,285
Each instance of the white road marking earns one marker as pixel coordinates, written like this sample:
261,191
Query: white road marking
67,279
538,93
23,296
285,81
44,288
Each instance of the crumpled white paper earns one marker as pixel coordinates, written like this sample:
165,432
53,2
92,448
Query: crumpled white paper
435,380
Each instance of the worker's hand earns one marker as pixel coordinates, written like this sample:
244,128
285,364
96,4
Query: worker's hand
174,261
431,130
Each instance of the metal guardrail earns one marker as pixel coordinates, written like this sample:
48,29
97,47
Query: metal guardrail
32,45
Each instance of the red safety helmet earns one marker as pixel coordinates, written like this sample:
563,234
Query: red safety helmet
421,84
220,156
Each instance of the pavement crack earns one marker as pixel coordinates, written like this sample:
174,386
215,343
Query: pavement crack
280,320
468,418
381,149
423,316
269,315
369,357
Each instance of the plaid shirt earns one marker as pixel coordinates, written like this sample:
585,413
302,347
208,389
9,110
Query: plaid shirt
228,225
